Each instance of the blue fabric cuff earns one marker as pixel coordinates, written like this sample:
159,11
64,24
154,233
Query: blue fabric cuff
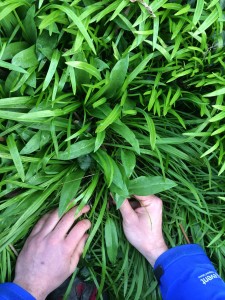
176,253
12,291
180,264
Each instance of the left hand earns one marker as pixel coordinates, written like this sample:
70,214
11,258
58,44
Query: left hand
51,252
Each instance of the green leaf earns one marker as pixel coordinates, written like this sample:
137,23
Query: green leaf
46,44
156,4
218,117
51,19
111,171
219,107
106,163
99,140
128,159
88,193
52,68
136,71
111,239
71,14
37,141
86,67
96,225
54,137
118,179
161,50
9,66
99,102
15,156
127,134
29,24
222,169
109,8
112,117
155,31
11,7
198,11
208,22
35,116
117,77
183,11
219,130
210,150
146,185
70,188
118,198
119,9
151,128
15,102
78,149
13,48
73,79
26,58
216,93
79,132
173,112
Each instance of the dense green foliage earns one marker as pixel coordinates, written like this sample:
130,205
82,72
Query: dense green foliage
96,98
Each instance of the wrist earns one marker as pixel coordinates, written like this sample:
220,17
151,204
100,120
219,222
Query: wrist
153,254
34,290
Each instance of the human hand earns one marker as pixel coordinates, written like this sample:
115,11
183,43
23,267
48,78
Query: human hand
143,226
51,252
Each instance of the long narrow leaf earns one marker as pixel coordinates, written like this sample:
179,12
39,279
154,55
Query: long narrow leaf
15,156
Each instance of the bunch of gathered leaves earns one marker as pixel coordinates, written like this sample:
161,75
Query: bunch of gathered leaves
101,100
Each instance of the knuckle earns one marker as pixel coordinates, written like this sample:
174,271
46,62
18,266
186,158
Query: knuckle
129,220
33,242
68,249
53,240
36,239
157,201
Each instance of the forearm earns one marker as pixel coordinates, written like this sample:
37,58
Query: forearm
11,291
185,272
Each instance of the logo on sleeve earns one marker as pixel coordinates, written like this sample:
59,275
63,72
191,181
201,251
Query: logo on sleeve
207,277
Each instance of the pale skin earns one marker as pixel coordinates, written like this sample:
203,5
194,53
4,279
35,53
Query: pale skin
53,249
50,255
143,226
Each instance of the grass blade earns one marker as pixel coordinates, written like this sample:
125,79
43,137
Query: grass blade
15,156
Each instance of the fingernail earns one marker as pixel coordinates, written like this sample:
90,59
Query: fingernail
87,222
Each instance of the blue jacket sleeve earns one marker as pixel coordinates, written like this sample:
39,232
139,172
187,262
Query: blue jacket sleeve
185,272
11,291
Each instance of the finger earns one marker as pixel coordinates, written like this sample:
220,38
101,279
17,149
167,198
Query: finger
146,200
127,211
78,252
67,221
152,204
38,227
76,233
50,223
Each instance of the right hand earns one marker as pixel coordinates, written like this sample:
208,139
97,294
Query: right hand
143,226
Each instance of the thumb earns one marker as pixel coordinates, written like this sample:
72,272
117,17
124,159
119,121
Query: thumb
127,211
147,200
